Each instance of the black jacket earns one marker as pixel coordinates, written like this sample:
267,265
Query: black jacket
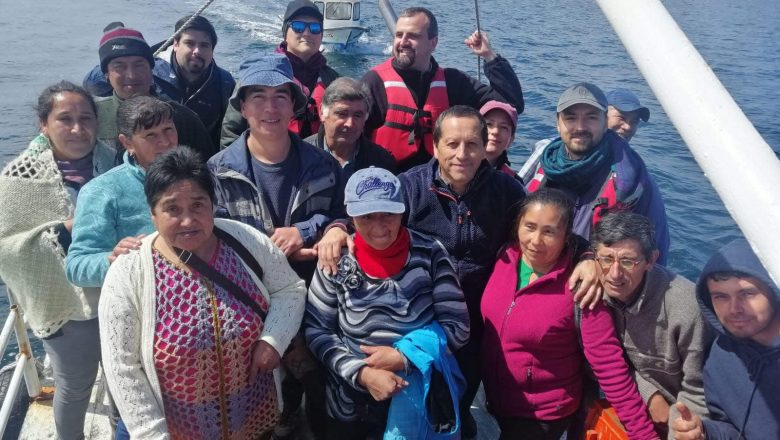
369,154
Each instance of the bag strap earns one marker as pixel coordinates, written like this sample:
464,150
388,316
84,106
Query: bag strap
241,250
196,263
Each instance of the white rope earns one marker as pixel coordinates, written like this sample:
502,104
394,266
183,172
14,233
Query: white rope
182,28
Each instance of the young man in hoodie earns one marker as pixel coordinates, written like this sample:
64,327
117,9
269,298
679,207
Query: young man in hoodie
741,384
302,32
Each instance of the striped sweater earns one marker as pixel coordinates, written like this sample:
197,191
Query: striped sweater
349,309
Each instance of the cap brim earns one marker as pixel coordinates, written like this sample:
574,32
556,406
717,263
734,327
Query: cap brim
273,79
356,209
563,106
644,112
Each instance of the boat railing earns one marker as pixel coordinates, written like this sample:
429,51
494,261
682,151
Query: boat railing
25,364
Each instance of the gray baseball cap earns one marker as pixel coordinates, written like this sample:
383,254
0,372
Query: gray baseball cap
373,190
582,93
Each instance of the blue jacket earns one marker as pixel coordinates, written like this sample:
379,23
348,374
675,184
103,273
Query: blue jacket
110,207
209,100
741,383
319,196
472,227
409,416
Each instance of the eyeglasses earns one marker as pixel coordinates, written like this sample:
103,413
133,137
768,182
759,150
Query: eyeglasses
625,263
299,26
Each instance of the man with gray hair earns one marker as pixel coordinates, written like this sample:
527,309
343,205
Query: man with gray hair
343,113
667,360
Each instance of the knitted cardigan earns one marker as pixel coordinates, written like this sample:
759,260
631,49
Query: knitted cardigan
35,202
128,314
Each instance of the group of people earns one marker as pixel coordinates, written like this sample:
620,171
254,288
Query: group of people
225,247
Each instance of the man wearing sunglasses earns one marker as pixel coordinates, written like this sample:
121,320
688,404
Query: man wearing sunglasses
656,316
302,33
410,90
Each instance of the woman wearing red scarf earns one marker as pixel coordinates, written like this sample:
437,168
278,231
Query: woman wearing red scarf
397,281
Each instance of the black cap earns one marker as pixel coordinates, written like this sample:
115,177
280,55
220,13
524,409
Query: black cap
297,8
199,23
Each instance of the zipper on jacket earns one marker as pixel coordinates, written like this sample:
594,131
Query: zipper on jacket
503,324
462,216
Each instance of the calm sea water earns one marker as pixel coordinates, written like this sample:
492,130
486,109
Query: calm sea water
551,44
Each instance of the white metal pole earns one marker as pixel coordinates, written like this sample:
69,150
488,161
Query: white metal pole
13,388
25,351
5,335
388,14
739,163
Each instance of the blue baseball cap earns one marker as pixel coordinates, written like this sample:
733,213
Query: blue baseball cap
271,70
373,190
626,101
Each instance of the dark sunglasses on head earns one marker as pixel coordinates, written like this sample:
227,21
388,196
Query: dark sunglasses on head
299,26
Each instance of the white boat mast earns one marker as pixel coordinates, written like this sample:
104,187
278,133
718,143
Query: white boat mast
741,166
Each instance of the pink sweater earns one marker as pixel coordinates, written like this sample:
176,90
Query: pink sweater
531,353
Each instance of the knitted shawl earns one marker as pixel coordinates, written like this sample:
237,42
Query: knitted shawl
34,202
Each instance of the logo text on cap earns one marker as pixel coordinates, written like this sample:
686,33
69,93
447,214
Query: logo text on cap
373,183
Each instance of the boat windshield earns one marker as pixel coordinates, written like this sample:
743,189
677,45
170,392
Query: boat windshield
338,11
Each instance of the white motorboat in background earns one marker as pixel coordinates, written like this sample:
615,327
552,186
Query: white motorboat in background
342,24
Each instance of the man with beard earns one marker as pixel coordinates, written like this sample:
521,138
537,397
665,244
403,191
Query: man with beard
190,76
302,33
185,73
127,61
598,168
410,90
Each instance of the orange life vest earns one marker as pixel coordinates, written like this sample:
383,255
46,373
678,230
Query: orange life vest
408,129
311,115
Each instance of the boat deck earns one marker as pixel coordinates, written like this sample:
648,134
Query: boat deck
39,422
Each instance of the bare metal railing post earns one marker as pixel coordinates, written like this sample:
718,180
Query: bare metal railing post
25,364
25,350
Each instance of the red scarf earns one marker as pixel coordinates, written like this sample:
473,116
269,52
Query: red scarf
383,263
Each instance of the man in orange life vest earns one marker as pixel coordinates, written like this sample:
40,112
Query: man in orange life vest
597,168
410,90
302,33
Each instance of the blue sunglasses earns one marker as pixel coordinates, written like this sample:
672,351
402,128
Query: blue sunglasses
299,26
